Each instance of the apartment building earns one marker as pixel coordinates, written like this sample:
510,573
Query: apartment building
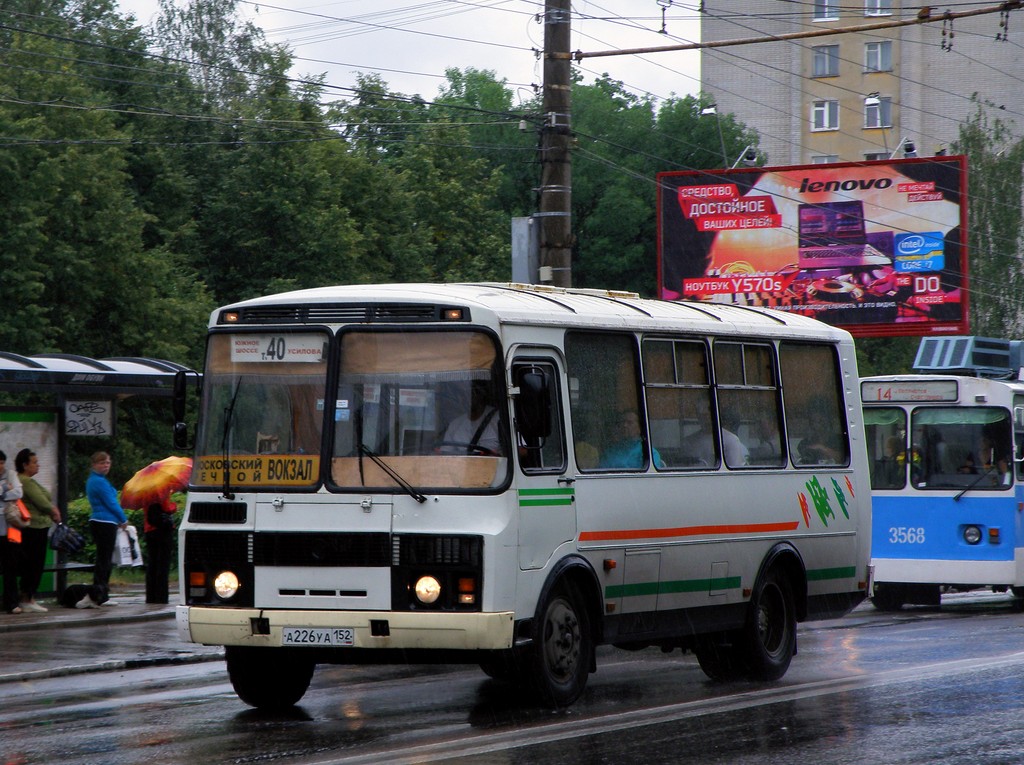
867,93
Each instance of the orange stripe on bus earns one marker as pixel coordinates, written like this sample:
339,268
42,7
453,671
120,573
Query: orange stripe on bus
687,531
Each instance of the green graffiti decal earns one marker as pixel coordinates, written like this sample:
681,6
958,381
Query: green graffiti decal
840,497
819,496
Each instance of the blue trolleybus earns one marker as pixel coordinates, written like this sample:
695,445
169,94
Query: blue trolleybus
945,454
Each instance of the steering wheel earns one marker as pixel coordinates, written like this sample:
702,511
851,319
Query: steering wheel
468,448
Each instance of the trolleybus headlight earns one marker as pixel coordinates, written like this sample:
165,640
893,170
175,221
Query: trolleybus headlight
428,589
226,584
972,535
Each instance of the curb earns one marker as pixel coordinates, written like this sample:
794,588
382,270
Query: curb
110,666
92,620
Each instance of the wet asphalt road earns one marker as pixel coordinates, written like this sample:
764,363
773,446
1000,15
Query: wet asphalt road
924,685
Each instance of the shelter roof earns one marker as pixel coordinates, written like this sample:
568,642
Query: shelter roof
70,374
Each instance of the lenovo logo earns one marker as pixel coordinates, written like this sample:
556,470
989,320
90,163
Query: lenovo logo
861,184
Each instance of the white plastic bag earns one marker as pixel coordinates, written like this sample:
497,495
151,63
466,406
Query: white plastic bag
127,551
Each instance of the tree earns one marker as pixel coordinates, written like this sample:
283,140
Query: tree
996,270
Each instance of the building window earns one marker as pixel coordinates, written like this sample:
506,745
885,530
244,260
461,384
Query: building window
825,115
872,155
878,115
877,7
878,56
826,10
824,159
826,61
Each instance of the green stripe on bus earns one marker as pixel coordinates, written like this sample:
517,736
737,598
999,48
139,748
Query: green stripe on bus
667,588
841,572
546,497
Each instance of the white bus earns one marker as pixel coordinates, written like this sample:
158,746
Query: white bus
512,475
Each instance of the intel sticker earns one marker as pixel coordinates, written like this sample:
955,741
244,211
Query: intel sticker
919,252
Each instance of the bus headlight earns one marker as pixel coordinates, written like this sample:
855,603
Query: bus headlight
972,535
427,589
226,585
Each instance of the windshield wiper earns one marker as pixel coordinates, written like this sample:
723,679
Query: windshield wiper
973,483
394,476
229,413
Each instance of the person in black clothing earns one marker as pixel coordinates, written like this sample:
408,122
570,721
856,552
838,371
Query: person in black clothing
158,530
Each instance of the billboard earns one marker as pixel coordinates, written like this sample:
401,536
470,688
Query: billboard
878,248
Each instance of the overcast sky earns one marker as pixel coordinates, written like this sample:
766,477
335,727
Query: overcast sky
410,43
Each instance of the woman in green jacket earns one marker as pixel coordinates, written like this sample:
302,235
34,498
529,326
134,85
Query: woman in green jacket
33,539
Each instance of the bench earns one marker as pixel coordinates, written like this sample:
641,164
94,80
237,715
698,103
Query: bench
62,569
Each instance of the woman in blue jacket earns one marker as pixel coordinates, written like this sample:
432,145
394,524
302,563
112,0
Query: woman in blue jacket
107,517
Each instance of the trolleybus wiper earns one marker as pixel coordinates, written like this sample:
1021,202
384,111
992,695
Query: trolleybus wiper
394,476
973,483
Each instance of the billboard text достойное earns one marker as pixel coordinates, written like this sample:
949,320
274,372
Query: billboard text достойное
877,248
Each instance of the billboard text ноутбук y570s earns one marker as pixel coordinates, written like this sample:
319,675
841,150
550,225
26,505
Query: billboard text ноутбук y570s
878,248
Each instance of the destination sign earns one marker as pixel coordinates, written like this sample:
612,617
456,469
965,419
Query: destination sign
259,470
908,391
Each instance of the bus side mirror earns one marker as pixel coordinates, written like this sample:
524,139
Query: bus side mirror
533,405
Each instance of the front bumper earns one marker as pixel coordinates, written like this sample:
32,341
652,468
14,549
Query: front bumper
417,630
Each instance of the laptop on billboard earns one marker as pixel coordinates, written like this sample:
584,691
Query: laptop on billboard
832,235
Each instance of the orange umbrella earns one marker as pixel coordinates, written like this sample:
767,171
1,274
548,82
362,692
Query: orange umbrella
155,482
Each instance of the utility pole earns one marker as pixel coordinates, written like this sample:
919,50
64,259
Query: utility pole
555,197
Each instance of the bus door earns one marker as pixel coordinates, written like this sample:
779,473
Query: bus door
546,496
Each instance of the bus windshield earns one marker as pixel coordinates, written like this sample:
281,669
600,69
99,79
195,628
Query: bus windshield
949,447
423,407
264,399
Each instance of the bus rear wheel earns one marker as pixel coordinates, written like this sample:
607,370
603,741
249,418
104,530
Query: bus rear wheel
563,650
721,656
770,632
268,678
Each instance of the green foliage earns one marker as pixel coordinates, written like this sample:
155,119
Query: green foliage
149,175
994,159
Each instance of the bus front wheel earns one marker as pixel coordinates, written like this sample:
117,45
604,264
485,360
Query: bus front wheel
770,632
268,678
563,650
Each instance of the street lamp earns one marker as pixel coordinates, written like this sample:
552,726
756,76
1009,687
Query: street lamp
713,109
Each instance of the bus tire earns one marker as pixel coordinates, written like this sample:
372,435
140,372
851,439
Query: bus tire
769,636
503,666
563,650
887,597
721,656
268,678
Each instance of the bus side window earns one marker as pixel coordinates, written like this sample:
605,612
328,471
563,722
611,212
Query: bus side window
678,392
603,387
815,419
748,403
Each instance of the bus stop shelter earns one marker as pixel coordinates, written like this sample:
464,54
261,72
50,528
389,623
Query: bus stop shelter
85,393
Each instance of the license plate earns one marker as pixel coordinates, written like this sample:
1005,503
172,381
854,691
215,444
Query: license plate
314,636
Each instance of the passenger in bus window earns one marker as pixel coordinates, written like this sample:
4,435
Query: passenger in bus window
989,459
888,469
733,449
765,441
820,447
628,450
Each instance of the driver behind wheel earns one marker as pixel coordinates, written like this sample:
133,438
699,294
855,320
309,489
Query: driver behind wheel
477,431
